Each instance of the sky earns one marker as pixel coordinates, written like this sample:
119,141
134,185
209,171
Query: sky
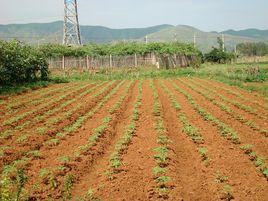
207,15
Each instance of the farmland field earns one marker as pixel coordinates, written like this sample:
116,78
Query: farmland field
148,139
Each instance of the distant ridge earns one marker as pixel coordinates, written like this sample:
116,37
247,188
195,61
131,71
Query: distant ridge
37,33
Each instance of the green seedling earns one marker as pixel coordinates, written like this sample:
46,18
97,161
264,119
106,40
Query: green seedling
220,178
157,171
52,142
68,185
228,192
247,148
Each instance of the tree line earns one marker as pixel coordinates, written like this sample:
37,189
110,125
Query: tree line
253,49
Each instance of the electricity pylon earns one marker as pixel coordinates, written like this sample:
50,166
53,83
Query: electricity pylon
71,28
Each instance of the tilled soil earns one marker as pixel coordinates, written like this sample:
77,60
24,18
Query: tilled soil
67,173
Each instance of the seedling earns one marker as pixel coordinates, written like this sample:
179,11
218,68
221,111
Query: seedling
228,192
157,171
68,185
247,148
22,139
220,178
53,142
35,154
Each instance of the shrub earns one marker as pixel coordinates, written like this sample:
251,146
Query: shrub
20,63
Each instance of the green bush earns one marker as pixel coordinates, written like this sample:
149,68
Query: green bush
119,49
219,56
20,63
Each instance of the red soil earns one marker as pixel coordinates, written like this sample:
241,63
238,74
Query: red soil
191,178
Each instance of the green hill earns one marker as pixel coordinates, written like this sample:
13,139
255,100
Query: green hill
204,40
253,33
52,32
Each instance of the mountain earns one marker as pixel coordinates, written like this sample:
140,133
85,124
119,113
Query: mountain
253,33
37,33
204,40
52,32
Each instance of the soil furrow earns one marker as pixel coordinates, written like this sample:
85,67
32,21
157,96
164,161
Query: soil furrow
80,165
253,96
245,135
254,123
36,124
95,177
38,141
11,111
187,170
225,159
20,118
233,95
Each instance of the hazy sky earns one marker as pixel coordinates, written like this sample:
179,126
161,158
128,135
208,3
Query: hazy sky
207,15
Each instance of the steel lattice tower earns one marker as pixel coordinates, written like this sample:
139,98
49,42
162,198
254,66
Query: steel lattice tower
71,32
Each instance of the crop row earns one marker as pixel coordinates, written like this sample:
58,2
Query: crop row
235,103
121,146
16,119
49,176
54,141
94,138
92,141
188,128
9,132
21,106
30,99
23,100
237,94
228,110
162,157
226,131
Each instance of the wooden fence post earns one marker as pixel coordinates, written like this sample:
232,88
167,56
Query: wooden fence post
63,62
136,61
111,62
87,63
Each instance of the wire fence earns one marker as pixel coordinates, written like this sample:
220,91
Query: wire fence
111,61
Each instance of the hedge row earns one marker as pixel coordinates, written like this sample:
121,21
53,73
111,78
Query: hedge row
119,49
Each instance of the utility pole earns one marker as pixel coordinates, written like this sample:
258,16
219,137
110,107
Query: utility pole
175,37
223,42
71,28
194,41
146,39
